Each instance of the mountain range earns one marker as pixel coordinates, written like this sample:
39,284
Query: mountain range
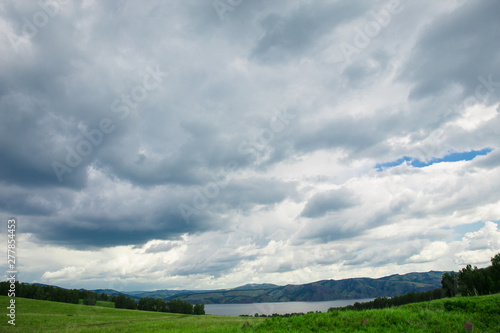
324,290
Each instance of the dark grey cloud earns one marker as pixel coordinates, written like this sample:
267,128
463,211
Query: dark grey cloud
366,71
292,35
85,232
245,194
32,202
490,161
329,201
353,134
457,48
221,84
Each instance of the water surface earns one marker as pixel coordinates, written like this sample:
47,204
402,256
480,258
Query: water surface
278,307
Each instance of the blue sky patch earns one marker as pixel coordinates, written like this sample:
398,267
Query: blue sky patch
452,157
461,230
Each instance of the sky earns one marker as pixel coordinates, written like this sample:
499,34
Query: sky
209,144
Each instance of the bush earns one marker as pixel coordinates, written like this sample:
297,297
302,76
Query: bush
460,305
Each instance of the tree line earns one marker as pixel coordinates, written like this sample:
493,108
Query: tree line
173,306
57,294
467,282
386,302
475,281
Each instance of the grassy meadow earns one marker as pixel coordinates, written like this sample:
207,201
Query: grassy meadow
444,315
44,316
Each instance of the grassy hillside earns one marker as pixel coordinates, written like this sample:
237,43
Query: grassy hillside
325,290
36,316
444,315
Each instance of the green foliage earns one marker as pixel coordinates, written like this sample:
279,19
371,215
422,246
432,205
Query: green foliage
475,281
179,306
90,299
173,306
460,305
449,284
148,304
199,309
444,315
384,302
102,297
124,302
495,261
42,292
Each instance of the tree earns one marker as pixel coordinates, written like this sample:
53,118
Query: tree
40,293
73,296
466,282
199,309
495,261
449,282
179,306
161,305
90,299
495,272
120,302
102,297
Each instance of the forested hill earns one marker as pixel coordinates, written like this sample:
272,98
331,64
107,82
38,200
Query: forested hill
321,290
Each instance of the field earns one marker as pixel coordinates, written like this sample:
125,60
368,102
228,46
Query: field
445,315
38,316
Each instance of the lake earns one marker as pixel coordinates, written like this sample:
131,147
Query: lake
278,307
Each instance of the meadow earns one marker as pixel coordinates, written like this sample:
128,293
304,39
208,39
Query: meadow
444,315
37,316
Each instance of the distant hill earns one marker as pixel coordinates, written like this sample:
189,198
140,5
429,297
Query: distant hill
254,286
165,294
171,294
110,292
325,290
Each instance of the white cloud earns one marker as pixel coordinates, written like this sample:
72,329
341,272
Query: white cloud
307,202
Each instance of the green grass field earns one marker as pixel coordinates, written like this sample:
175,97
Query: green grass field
446,315
45,316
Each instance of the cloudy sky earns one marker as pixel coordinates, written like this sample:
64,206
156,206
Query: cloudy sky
209,144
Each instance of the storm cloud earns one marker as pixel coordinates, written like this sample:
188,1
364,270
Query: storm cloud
156,145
